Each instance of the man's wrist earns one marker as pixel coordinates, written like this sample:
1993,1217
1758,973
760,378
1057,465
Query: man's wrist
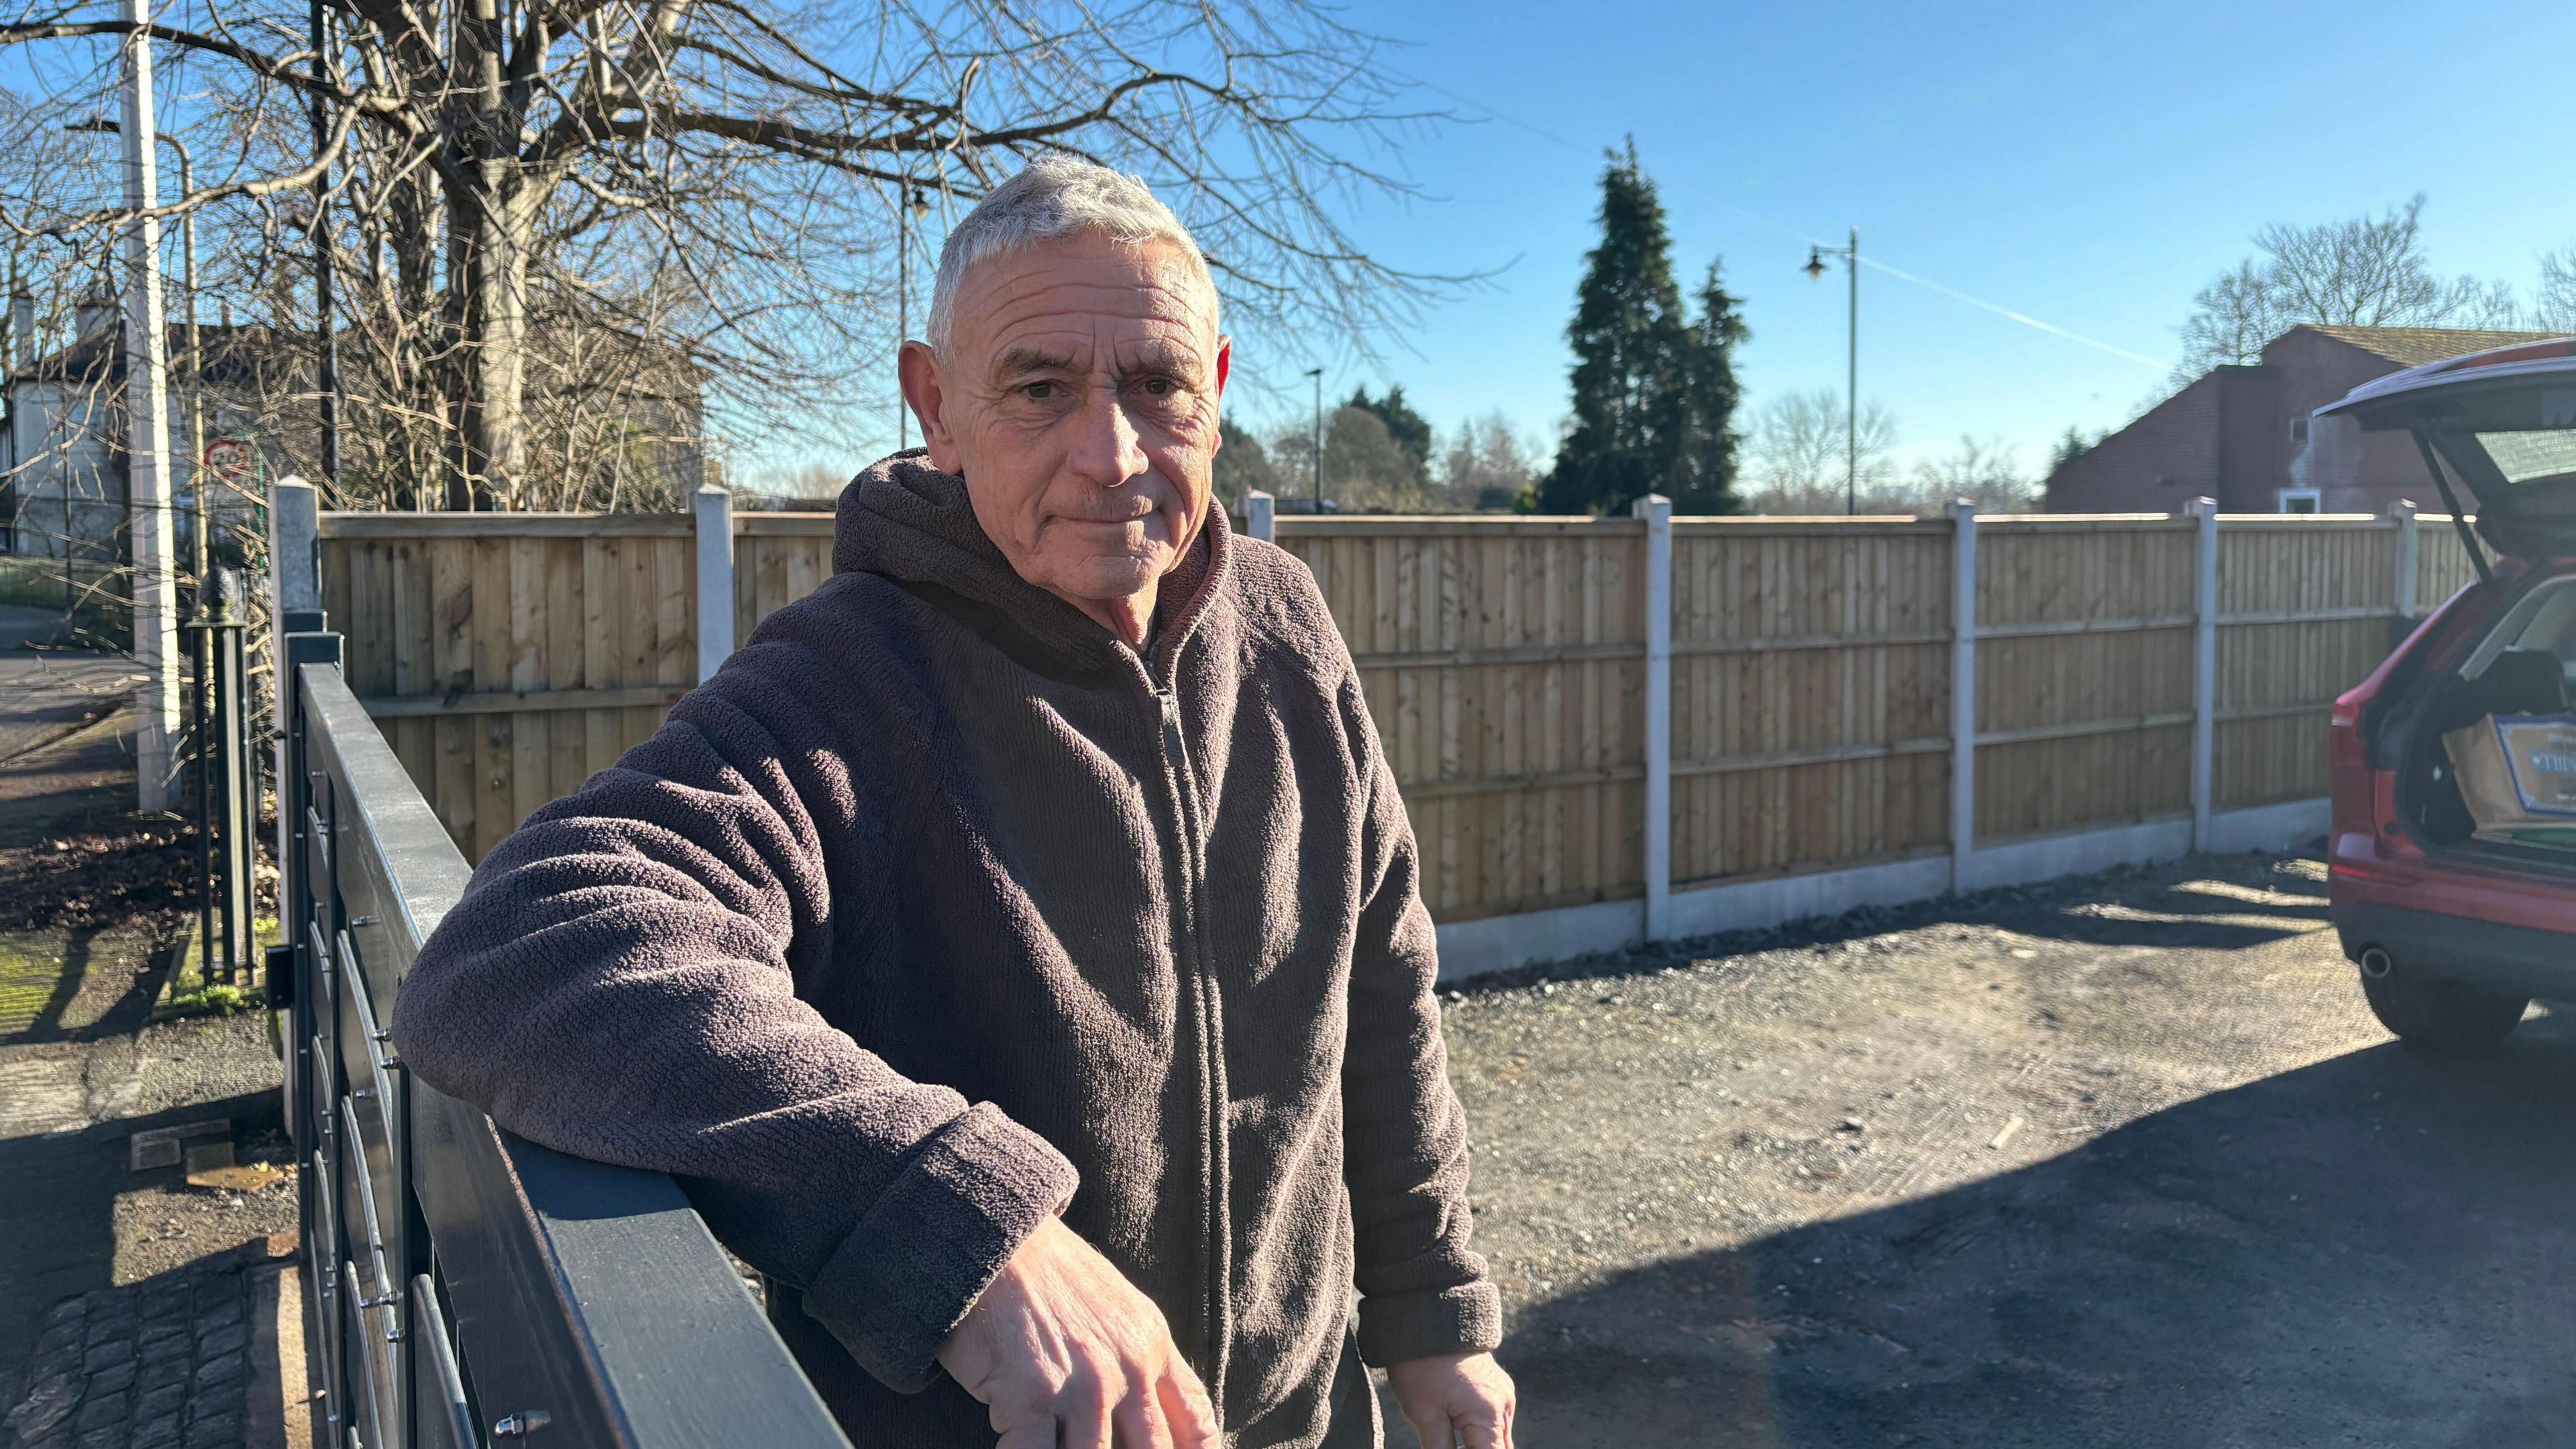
1432,1323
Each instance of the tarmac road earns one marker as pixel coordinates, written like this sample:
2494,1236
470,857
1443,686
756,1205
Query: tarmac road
2120,1162
49,694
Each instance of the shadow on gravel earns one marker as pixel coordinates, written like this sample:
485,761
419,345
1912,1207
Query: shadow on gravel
2377,1249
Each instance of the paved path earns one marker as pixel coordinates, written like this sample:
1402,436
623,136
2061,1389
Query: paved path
48,694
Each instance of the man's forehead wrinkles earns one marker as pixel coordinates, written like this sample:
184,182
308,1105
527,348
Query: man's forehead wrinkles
998,292
1081,307
1079,343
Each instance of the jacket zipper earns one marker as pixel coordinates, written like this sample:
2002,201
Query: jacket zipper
1220,1252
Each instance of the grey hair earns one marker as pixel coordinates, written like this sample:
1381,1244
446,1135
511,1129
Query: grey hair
1055,196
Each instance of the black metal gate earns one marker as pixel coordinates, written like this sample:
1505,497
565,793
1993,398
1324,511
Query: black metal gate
463,1286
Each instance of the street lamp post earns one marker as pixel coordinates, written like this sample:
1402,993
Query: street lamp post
326,332
196,356
1317,374
1815,270
147,454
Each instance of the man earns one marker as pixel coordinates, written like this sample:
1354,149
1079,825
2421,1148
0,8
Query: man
1058,799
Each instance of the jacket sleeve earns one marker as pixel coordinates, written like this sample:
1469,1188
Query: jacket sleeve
1422,1292
619,982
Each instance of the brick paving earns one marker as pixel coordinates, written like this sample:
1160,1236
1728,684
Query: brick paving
160,1364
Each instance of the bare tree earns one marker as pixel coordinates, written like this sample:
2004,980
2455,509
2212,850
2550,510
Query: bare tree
1983,471
1365,469
1798,452
2362,272
1489,465
709,191
2553,307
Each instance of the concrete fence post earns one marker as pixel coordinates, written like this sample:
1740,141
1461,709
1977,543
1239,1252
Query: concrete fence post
1261,516
2204,669
2409,551
1657,511
1963,690
294,607
294,557
713,507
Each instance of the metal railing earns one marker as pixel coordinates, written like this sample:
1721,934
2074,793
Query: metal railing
463,1286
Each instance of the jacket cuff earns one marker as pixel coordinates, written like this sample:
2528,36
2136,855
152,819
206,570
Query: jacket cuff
1400,1326
934,1240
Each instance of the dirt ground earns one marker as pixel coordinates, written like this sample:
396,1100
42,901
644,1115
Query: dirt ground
2120,1161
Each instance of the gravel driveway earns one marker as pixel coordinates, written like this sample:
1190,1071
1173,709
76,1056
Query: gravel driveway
2122,1161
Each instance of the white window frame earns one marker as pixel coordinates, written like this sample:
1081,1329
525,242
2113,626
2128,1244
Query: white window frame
2282,498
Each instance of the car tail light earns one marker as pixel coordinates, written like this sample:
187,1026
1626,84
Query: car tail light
2355,802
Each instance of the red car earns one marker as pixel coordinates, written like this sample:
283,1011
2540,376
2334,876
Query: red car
2456,932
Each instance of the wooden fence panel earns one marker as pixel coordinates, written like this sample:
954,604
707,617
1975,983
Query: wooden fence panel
2305,610
2084,672
1811,694
2442,566
1504,663
507,656
778,558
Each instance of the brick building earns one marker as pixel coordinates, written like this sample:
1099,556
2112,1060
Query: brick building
2240,433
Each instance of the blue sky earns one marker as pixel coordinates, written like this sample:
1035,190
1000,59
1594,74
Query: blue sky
2091,166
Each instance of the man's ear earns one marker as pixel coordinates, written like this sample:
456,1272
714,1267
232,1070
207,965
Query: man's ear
1224,369
927,396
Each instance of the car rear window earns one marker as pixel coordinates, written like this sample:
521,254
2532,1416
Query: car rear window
2532,457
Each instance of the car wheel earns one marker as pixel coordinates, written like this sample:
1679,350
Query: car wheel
2450,1016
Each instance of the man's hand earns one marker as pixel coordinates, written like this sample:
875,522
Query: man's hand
1456,1398
1061,1338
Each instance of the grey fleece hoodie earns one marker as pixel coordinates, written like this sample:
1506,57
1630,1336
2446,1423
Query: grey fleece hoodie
939,909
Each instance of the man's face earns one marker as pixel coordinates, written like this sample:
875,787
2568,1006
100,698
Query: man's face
1078,397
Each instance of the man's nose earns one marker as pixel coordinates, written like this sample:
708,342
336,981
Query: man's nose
1108,450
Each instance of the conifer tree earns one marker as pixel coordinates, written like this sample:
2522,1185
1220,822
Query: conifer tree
1706,481
1654,391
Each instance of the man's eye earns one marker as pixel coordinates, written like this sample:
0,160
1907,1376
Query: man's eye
1040,391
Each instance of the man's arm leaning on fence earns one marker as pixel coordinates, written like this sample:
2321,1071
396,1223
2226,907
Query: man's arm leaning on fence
617,983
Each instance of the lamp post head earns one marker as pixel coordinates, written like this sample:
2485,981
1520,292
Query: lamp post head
920,203
1815,267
